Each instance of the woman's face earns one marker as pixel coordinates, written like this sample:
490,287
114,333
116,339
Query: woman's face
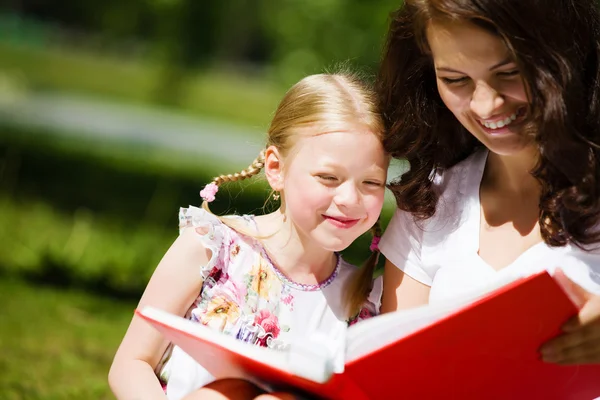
481,85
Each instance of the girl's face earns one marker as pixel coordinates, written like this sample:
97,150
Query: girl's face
333,186
479,82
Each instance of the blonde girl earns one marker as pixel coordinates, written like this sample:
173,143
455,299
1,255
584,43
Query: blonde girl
271,278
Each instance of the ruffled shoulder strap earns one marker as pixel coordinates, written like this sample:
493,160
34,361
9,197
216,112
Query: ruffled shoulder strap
212,239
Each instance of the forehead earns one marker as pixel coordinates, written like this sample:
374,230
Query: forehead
463,44
338,144
335,139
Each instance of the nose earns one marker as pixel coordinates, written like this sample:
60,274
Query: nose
347,195
485,100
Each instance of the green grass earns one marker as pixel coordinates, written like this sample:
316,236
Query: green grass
57,344
221,95
81,248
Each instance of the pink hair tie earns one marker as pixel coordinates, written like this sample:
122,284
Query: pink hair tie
209,191
375,243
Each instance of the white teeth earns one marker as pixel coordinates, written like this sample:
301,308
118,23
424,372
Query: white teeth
500,124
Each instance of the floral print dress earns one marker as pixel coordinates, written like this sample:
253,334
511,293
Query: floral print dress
246,296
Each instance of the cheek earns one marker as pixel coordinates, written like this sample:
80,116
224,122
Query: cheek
373,205
521,92
306,197
515,90
455,101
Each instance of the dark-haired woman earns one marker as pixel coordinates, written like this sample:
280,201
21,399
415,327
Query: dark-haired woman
496,106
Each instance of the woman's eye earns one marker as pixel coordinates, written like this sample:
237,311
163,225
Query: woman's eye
509,73
453,81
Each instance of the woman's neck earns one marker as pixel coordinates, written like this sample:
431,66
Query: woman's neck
296,255
512,174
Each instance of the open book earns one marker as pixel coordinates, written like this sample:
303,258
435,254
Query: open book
482,346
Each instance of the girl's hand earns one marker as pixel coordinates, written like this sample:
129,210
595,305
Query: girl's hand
580,343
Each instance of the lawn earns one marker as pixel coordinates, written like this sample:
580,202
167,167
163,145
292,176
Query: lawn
215,93
57,343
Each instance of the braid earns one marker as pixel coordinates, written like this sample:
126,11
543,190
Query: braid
376,229
250,171
361,284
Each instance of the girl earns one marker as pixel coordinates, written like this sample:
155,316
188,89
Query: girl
494,103
271,278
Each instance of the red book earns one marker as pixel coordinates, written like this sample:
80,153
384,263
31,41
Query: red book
479,347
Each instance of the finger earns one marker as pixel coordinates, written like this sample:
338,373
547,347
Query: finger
580,357
585,336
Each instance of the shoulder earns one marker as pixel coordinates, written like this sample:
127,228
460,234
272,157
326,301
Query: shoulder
405,237
212,227
452,185
458,177
197,225
584,266
194,217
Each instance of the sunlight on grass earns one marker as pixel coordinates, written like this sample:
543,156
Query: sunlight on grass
57,344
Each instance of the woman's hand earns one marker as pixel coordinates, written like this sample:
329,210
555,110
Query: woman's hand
580,343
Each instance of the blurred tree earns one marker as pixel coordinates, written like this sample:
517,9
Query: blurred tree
291,38
308,35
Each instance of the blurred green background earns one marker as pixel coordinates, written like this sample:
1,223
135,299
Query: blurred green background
113,115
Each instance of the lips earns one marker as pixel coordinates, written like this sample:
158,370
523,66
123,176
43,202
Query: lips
504,125
341,222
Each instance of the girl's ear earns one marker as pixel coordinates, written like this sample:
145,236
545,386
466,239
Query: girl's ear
274,168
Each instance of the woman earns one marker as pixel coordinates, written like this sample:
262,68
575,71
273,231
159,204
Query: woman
494,103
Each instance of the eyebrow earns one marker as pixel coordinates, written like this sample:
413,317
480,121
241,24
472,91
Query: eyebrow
502,63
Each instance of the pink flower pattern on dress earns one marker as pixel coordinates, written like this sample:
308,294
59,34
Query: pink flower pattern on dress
270,325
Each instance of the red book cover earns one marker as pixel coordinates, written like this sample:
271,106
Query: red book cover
486,349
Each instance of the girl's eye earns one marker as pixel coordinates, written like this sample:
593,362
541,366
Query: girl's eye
453,81
374,183
327,178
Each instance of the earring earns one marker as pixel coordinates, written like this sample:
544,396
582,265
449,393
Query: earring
276,196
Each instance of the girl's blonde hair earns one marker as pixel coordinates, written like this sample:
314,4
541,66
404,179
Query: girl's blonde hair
327,102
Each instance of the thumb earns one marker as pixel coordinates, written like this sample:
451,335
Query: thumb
578,295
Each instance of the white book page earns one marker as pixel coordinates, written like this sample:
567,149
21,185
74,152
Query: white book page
372,334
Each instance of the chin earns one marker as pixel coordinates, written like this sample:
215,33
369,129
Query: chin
334,244
510,149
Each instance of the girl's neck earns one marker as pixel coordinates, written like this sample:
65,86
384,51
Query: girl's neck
512,174
298,257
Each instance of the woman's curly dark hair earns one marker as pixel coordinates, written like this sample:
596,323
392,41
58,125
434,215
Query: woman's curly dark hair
556,44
